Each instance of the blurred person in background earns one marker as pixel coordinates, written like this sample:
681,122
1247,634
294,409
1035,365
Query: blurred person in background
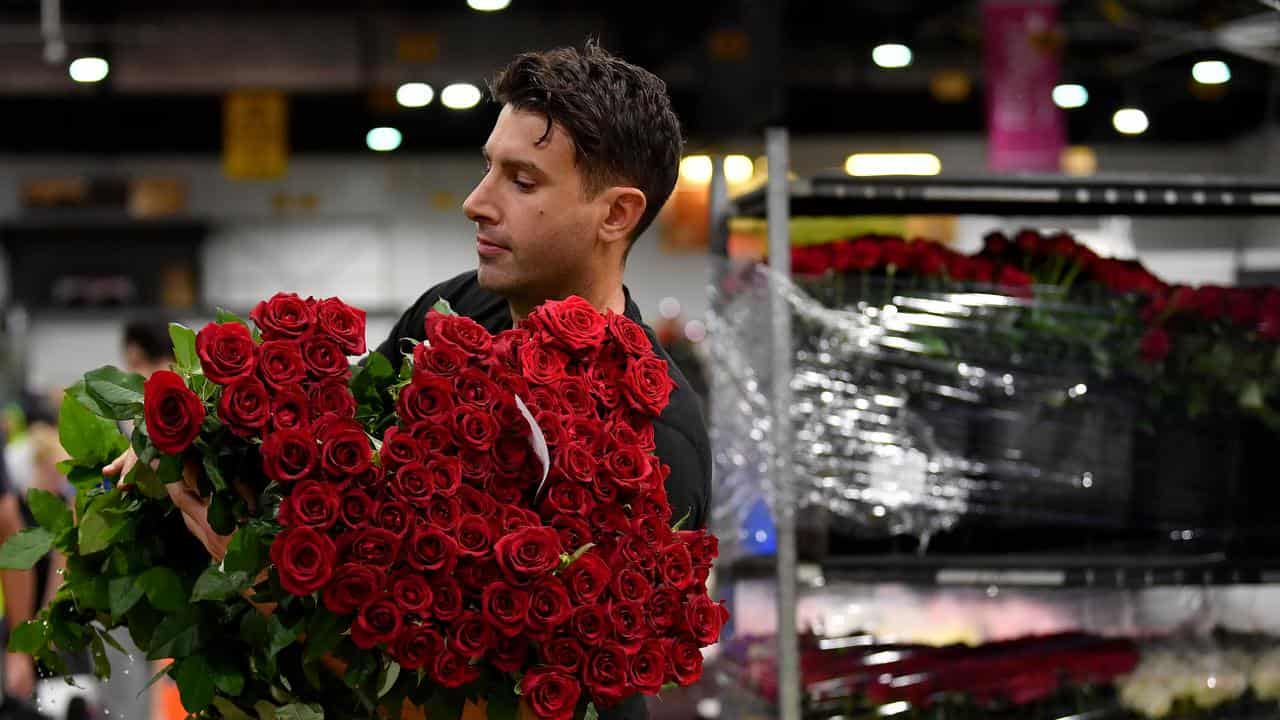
147,346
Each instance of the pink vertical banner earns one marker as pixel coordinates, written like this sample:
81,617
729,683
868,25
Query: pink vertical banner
1022,41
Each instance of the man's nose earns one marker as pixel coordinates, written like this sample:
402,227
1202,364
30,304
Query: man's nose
478,207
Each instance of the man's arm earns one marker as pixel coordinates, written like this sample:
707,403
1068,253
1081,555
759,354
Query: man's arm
689,486
408,326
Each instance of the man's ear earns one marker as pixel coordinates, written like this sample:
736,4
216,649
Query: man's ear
626,205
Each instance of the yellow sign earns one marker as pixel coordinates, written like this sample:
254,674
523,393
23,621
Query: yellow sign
255,135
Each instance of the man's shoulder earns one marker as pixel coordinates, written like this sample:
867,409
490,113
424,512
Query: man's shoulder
464,295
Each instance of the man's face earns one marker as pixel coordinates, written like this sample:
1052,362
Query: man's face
536,229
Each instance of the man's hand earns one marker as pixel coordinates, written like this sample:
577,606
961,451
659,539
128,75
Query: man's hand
120,467
195,511
19,675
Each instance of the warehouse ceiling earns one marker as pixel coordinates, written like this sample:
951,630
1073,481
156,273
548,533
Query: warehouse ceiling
733,66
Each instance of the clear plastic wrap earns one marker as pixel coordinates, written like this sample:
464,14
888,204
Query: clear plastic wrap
915,407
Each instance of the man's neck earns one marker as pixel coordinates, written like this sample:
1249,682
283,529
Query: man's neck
611,297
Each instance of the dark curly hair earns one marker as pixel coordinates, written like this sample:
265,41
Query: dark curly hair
618,116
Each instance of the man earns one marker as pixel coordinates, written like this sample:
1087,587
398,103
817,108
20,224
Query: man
584,154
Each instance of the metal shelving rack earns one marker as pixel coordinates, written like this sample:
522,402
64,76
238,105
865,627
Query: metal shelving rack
836,193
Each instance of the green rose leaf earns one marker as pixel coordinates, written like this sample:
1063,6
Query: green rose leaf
222,515
30,637
245,552
387,678
90,439
184,347
24,550
227,677
50,510
146,480
84,478
195,682
215,584
170,469
101,665
501,702
279,636
164,589
323,634
177,635
298,711
228,709
117,392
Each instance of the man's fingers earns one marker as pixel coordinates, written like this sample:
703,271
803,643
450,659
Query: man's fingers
122,464
187,501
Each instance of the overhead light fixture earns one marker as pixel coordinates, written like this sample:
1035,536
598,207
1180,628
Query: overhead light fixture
89,69
1211,72
1130,121
870,164
488,5
1070,96
738,169
383,139
415,95
460,96
696,169
891,56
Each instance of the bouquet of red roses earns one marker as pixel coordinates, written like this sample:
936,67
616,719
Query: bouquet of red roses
439,537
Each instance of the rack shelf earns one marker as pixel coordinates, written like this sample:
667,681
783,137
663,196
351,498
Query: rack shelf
835,193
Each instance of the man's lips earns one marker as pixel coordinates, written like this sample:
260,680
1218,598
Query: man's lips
490,248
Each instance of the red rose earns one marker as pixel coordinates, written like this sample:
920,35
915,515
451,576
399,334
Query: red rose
655,503
325,358
1243,307
446,603
930,261
542,364
471,636
284,317
630,335
1028,241
1155,346
412,594
569,498
575,393
290,410
553,430
287,455
372,480
589,624
982,271
549,609
437,361
400,448
173,413
624,434
686,662
995,243
606,675
452,670
631,585
413,483
505,607
703,546
352,586
571,323
649,527
427,400
664,610
895,254
609,520
647,384
462,333
528,553
628,620
510,654
635,551
443,512
703,619
474,388
431,550
356,507
604,373
311,504
370,546
332,396
1268,329
417,646
476,574
226,351
863,254
304,559
376,623
811,259
676,566
513,518
436,438
648,668
245,407
474,536
445,475
475,502
563,653
574,532
343,323
511,454
543,400
280,364
551,694
1062,245
1014,279
506,348
475,428
587,578
1211,302
629,467
345,453
394,516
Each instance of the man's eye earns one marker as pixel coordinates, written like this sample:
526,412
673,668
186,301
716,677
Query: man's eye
523,185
